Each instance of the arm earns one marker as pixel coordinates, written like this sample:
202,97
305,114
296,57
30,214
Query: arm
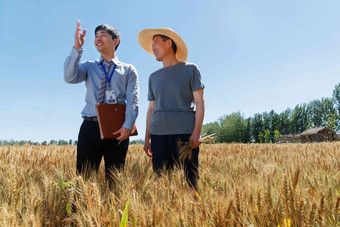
195,137
73,72
147,143
132,98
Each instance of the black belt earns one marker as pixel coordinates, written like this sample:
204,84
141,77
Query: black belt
91,118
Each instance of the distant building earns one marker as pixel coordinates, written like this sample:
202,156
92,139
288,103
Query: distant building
289,138
318,135
337,135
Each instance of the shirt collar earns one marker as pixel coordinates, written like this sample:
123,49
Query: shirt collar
115,60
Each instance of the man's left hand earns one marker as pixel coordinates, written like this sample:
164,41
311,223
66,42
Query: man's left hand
123,133
196,140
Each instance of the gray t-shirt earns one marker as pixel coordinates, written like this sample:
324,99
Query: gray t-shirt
172,90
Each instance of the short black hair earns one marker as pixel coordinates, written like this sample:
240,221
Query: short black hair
111,30
165,38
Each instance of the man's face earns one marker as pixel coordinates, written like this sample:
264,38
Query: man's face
160,48
103,41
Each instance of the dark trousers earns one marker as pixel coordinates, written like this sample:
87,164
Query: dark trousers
165,155
91,149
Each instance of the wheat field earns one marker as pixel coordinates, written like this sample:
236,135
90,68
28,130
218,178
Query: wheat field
240,185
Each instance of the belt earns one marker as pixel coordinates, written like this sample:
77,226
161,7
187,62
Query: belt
91,118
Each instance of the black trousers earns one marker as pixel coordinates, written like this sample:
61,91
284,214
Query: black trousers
165,155
91,149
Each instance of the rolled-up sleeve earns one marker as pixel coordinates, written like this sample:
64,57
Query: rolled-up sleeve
73,71
132,98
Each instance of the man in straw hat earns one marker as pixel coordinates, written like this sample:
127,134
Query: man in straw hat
107,80
174,91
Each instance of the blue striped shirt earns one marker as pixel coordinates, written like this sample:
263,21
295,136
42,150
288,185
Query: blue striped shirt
124,82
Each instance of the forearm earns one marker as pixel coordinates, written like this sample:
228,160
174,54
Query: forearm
132,100
73,73
130,115
147,141
199,117
148,120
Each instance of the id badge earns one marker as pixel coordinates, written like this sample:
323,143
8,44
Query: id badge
110,97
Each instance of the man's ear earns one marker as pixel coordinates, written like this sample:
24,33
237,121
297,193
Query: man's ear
116,42
169,43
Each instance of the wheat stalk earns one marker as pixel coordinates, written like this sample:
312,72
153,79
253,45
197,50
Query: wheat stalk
312,214
321,210
185,151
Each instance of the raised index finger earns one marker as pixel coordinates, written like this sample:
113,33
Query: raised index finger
78,25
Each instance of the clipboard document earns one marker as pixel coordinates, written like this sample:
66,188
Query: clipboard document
111,118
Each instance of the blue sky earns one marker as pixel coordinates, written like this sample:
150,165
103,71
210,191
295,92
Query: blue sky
254,56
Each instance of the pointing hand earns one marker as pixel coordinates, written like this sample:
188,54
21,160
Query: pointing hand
79,37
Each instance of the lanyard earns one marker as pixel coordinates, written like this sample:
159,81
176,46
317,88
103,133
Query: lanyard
108,79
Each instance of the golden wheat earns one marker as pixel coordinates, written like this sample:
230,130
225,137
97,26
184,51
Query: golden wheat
185,151
240,185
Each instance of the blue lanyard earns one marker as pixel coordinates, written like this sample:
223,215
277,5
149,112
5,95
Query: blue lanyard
108,79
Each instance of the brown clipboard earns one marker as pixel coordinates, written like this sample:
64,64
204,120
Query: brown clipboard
111,118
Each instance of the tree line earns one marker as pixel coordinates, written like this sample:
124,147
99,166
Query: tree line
51,142
267,126
23,142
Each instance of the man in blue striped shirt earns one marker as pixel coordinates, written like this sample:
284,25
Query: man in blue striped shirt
120,80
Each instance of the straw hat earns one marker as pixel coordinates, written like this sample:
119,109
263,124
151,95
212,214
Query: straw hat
145,38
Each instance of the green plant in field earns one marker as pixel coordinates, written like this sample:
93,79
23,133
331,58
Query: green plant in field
65,187
123,222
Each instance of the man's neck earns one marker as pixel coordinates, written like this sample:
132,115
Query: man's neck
108,56
169,61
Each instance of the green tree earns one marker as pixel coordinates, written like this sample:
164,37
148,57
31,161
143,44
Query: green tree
299,119
62,142
314,111
266,120
267,136
284,122
232,128
21,142
261,137
329,113
211,128
139,141
53,142
274,123
257,127
332,121
276,136
247,131
336,97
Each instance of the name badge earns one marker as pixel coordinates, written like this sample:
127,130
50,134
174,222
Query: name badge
111,97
